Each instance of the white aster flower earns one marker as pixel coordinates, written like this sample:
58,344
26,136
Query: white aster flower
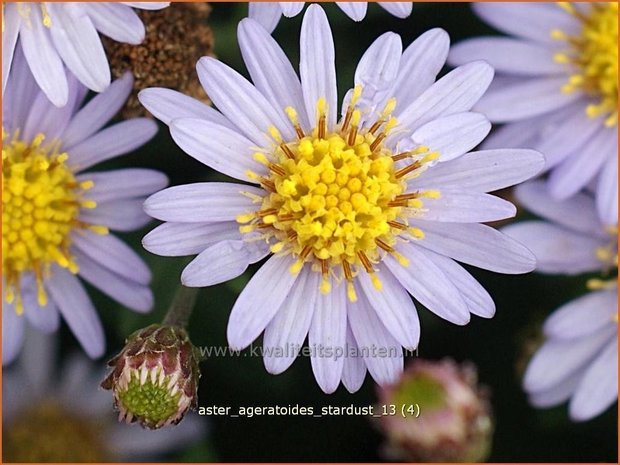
579,359
356,212
557,88
58,34
56,217
268,14
55,414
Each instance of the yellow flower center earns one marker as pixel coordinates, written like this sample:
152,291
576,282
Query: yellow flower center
41,200
594,54
50,433
337,199
608,256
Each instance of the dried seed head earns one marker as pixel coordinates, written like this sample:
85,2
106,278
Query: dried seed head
176,37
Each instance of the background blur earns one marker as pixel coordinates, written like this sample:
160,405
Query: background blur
499,347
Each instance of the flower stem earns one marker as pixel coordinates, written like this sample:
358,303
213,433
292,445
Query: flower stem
182,306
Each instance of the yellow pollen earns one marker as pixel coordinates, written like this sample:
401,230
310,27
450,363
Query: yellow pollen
593,55
41,201
332,200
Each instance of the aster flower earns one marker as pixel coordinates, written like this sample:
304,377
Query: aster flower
52,417
579,358
56,217
557,90
356,212
269,13
58,34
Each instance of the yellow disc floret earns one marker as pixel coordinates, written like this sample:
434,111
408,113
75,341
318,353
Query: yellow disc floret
337,198
594,54
41,200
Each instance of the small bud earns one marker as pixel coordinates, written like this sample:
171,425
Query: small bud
446,416
155,377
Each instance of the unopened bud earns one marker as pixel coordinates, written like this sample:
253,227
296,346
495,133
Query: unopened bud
155,377
439,414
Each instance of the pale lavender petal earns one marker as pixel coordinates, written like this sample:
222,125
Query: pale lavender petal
116,21
557,394
267,14
419,66
354,369
112,253
327,337
285,333
453,135
483,171
112,142
583,316
599,387
555,361
270,69
216,146
527,98
557,250
577,213
203,202
430,286
478,300
376,72
456,92
533,21
607,192
98,111
575,172
460,206
241,102
394,307
45,118
381,352
20,93
12,333
259,301
10,33
167,105
476,244
45,319
317,65
119,215
218,263
79,45
354,10
398,9
147,5
179,239
290,9
128,292
77,310
507,55
125,183
43,59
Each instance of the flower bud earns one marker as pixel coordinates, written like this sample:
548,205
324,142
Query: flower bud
155,377
436,413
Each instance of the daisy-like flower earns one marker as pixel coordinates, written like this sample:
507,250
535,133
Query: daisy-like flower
58,34
56,217
60,415
557,89
356,212
269,13
579,359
